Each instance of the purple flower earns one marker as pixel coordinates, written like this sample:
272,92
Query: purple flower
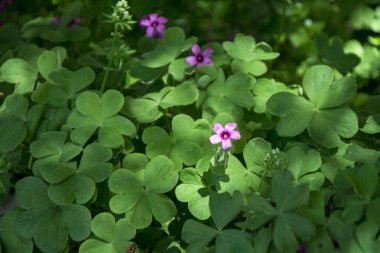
76,21
225,134
200,58
3,3
154,24
55,20
301,249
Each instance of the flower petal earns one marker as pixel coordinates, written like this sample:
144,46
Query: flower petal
235,135
160,28
218,128
196,49
145,22
162,20
191,60
208,52
215,139
153,17
231,126
226,143
150,32
207,61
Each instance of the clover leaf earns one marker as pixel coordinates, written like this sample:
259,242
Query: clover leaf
113,236
229,95
171,46
94,113
185,144
369,65
79,185
51,60
263,89
54,155
324,116
287,224
19,72
10,240
304,165
259,158
48,224
149,107
239,178
195,190
13,122
372,125
248,56
366,239
141,197
332,52
227,240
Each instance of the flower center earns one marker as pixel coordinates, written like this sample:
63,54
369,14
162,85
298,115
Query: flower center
225,135
199,58
154,24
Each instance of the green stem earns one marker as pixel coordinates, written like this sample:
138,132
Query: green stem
281,27
262,180
244,228
105,78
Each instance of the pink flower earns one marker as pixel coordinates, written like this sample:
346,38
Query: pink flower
154,24
225,134
200,58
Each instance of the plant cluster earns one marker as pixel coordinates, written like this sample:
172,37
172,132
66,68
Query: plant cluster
170,144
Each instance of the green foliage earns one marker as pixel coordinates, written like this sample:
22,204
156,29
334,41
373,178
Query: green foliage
94,113
324,115
106,136
114,236
48,224
140,197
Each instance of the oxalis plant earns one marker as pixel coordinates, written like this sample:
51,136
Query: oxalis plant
176,145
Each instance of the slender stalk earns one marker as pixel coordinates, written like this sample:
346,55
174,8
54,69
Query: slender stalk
262,180
105,78
281,27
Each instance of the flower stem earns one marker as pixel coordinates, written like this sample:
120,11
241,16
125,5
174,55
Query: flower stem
262,180
105,78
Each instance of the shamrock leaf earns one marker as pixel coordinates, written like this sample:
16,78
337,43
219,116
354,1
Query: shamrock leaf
63,84
261,159
369,65
19,72
264,89
171,46
51,60
79,185
54,155
248,56
141,197
366,239
332,52
11,241
185,144
227,240
48,224
149,108
288,225
304,166
13,122
94,113
195,190
323,116
372,125
113,236
239,178
229,95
